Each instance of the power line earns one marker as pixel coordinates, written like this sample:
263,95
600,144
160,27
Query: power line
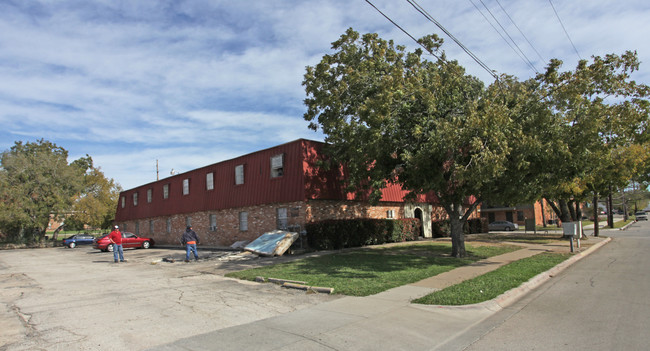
521,32
424,13
565,31
518,50
403,30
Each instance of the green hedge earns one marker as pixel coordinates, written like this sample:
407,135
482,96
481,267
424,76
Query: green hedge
338,234
473,226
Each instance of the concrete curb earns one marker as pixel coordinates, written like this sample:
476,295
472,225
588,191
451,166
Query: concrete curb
627,225
510,296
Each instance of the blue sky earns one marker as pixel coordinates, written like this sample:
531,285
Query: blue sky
191,83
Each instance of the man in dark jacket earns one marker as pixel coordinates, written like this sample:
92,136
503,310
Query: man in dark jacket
190,240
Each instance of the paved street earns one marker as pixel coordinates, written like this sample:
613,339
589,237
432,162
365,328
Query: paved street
599,303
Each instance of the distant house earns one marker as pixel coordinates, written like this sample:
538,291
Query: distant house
538,211
239,199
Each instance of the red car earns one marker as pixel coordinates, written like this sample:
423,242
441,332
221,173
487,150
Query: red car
128,240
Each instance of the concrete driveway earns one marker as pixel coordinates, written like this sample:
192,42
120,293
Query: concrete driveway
78,299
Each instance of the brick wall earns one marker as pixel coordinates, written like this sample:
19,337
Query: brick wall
262,219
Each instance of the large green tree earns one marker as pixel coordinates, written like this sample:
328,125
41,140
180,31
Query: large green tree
36,182
601,115
391,116
95,204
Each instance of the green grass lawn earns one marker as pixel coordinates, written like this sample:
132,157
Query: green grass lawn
369,271
495,283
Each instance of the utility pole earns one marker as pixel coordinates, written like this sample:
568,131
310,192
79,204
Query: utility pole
157,172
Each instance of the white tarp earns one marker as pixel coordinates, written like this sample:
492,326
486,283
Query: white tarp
274,243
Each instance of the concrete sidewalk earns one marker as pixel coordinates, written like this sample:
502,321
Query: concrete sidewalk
387,320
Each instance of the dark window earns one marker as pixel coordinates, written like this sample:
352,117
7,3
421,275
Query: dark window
277,166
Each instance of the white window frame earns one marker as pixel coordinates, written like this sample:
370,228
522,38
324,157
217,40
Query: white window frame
277,166
135,199
243,221
186,186
149,195
390,214
239,174
123,201
209,181
165,191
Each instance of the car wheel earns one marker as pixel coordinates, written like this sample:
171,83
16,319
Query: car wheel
508,229
72,245
109,248
146,245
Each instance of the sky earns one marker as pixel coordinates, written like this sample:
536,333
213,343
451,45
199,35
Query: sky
149,87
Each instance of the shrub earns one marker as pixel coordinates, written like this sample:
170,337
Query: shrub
473,226
338,234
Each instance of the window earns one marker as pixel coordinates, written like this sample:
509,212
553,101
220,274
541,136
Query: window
151,226
239,175
165,191
149,195
123,201
281,217
137,228
213,222
520,216
390,214
243,221
277,166
188,221
209,181
169,225
123,227
135,199
186,186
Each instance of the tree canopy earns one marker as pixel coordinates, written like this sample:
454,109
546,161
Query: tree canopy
601,115
392,116
96,202
37,183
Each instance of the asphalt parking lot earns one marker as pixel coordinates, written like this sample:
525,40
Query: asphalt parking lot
78,299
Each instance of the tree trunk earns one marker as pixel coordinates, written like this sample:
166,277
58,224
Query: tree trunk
565,215
596,225
457,236
562,211
572,210
457,220
543,213
610,207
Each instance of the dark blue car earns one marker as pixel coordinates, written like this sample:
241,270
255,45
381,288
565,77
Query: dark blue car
79,239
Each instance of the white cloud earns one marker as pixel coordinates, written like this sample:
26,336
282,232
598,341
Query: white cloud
194,82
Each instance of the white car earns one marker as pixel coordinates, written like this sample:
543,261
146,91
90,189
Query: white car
641,216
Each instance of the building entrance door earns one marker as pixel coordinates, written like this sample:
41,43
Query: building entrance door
418,215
